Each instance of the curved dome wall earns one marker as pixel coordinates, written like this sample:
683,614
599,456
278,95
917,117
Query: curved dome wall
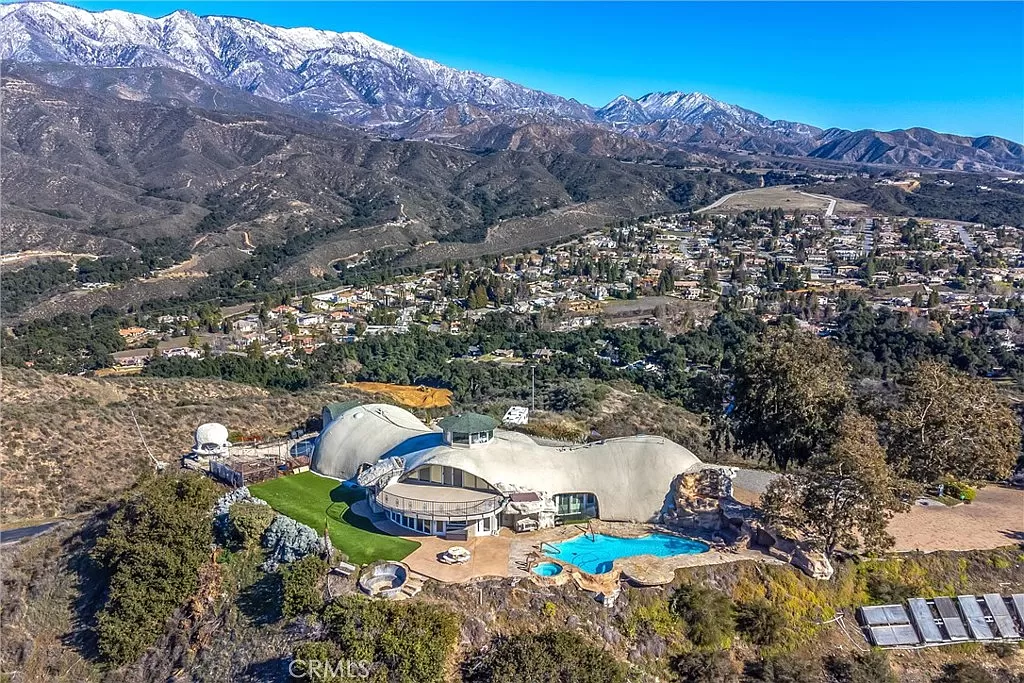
366,433
631,476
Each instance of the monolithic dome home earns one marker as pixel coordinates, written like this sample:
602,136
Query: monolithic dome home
467,477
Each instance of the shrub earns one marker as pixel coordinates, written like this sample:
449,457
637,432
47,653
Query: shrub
248,521
287,540
152,551
649,616
301,586
788,669
709,617
965,672
760,622
404,642
870,667
1001,563
322,652
959,490
705,666
554,656
889,582
1003,650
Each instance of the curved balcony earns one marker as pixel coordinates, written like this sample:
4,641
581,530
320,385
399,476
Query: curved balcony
439,502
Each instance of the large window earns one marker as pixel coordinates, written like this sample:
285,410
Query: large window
464,439
447,476
576,504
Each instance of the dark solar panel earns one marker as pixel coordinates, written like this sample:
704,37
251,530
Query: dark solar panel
896,614
951,619
1018,604
944,620
900,635
884,615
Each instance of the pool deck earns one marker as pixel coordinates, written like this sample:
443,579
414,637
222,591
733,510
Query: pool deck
488,554
645,570
510,554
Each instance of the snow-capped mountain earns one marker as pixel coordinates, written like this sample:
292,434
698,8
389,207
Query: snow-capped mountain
357,80
351,75
695,117
622,111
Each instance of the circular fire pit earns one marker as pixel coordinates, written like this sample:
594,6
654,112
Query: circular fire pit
384,579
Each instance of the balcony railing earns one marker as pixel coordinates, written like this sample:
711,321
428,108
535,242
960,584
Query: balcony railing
440,509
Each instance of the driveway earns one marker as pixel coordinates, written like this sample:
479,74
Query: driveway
994,519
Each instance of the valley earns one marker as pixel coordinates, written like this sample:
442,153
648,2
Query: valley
322,360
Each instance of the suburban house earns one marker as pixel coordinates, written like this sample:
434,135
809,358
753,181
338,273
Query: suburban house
466,476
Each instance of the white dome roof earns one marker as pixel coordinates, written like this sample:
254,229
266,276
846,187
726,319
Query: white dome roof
211,432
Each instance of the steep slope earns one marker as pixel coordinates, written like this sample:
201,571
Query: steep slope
264,197
677,118
349,75
70,442
357,80
920,147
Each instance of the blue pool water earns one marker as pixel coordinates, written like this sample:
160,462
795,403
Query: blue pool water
547,569
596,556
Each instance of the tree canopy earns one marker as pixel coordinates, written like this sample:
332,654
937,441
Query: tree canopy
844,496
949,424
152,550
790,389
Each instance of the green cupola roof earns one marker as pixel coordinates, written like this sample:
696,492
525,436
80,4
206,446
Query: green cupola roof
468,423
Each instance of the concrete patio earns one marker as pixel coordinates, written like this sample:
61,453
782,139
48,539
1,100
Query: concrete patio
489,554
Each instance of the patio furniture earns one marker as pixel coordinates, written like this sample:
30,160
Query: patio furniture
526,524
456,555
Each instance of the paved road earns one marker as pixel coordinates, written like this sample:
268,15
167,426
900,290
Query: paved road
721,200
718,202
831,202
965,238
12,535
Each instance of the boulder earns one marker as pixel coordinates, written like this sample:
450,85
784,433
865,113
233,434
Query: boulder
813,563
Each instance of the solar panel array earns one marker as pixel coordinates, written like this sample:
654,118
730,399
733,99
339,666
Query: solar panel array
944,620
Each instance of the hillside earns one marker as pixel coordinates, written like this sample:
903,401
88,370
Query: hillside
234,64
252,196
69,443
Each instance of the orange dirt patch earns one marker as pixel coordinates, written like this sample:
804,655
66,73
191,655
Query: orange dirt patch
414,397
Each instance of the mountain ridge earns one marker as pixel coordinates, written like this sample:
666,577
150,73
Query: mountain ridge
363,82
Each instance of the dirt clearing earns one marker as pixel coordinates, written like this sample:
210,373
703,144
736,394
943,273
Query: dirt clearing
413,397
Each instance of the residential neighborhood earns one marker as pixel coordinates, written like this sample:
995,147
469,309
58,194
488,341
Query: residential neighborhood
668,270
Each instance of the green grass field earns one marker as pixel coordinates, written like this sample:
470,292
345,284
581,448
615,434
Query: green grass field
310,499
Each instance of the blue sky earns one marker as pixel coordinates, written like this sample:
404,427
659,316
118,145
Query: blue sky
954,67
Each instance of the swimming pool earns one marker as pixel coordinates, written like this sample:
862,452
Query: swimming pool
547,569
595,554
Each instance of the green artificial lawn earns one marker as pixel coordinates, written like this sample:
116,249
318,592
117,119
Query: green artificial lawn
310,499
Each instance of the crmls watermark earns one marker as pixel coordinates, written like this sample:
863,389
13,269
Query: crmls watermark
326,670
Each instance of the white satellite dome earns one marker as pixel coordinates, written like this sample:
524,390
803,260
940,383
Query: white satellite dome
211,439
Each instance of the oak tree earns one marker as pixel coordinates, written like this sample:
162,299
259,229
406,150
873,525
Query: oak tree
790,389
843,497
950,424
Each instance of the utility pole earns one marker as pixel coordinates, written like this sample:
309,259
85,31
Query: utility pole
533,388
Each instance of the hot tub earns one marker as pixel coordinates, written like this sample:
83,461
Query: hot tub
547,569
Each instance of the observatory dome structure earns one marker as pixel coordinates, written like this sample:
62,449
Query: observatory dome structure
211,440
